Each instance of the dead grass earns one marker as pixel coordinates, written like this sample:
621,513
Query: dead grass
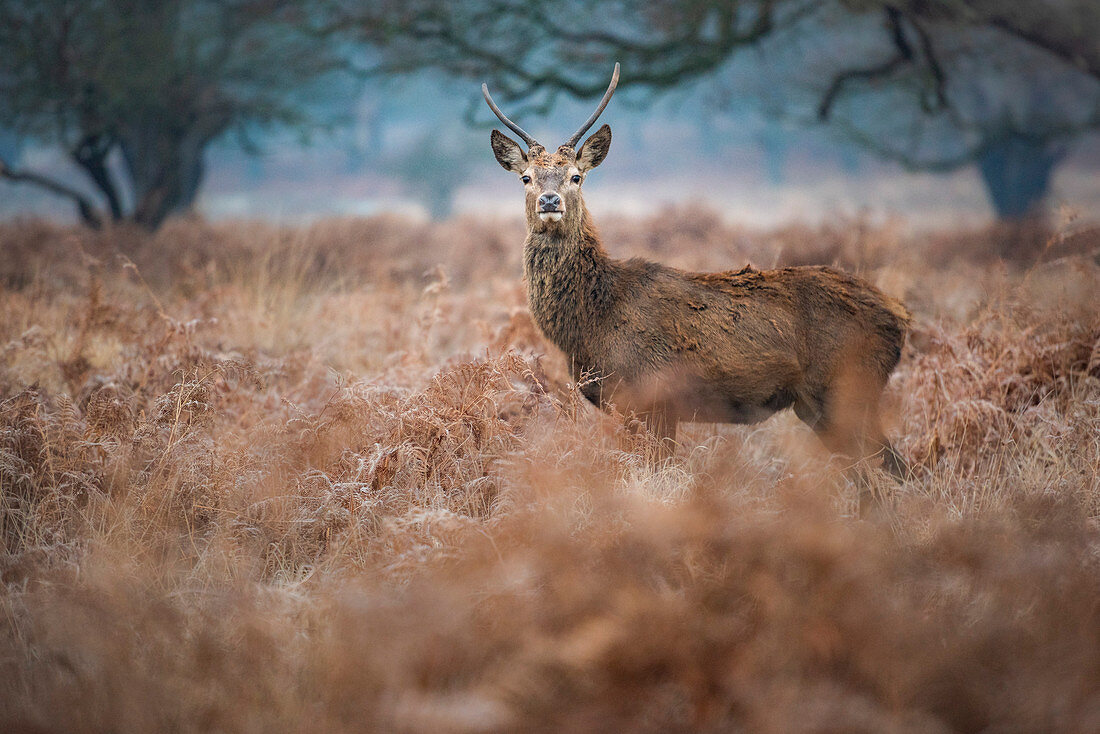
333,479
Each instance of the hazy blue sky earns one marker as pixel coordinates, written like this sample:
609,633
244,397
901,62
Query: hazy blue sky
410,148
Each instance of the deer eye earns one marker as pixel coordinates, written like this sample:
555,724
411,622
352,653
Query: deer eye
576,179
526,179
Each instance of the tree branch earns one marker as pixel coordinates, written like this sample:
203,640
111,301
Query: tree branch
657,60
1086,60
89,214
939,78
903,54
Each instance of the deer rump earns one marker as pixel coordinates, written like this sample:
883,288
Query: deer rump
735,347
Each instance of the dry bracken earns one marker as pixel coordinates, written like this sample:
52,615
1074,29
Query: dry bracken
321,479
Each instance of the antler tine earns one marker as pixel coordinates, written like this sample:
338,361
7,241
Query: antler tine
572,143
531,142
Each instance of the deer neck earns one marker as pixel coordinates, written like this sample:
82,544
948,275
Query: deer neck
569,285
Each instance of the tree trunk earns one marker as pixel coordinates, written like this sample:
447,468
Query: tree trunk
1016,171
91,155
166,169
439,201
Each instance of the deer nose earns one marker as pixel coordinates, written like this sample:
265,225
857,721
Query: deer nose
549,203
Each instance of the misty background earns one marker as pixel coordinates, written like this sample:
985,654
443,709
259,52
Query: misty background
945,113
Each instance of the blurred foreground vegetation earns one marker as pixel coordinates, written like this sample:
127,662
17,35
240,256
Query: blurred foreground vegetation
332,479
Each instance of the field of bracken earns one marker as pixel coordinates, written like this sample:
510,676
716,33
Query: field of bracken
332,479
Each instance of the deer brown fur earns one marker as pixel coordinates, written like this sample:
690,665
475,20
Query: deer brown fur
674,346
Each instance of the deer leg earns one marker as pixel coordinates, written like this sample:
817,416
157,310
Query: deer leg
851,427
845,439
651,433
810,409
893,462
660,424
874,442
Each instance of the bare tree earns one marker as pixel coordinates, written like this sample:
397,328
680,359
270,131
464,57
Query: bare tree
135,91
1007,86
932,84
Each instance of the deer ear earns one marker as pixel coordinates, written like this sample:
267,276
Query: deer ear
509,155
594,149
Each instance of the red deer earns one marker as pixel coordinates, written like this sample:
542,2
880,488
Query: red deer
674,346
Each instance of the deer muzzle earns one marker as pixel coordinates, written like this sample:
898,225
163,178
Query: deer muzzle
550,207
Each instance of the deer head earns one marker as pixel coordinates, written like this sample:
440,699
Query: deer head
552,181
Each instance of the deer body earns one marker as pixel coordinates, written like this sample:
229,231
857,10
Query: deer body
676,346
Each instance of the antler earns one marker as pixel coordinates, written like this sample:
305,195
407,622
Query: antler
572,142
531,142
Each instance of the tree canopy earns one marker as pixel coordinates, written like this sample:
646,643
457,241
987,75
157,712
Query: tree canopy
932,84
135,91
